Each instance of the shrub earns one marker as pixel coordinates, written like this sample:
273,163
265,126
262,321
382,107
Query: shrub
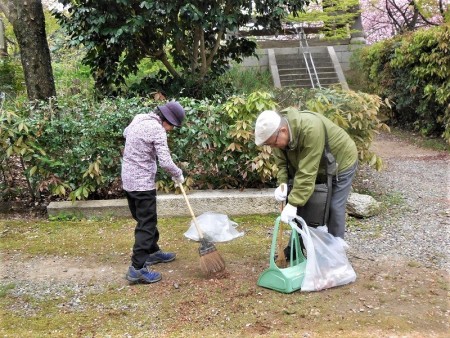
413,71
11,77
72,148
356,112
215,146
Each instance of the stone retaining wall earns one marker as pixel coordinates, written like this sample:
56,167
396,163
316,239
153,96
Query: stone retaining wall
228,202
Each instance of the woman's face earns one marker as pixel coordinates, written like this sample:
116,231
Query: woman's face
167,126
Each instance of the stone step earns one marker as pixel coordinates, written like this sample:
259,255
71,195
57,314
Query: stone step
288,71
230,202
305,74
293,72
301,63
282,59
309,85
307,82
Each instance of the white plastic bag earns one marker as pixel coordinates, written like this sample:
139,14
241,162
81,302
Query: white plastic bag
327,264
215,228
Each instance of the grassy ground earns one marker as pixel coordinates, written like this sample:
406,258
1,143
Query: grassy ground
65,278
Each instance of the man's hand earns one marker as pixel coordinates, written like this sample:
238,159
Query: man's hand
289,213
178,180
281,192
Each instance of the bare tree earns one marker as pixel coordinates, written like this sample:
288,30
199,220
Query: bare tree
28,21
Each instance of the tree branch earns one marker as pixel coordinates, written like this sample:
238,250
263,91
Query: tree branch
168,65
216,48
441,7
195,46
396,23
227,9
4,8
412,23
203,54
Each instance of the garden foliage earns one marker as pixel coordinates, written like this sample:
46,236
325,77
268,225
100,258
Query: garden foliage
73,149
193,40
413,72
357,113
11,76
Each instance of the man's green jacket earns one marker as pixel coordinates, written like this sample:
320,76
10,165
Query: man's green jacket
304,151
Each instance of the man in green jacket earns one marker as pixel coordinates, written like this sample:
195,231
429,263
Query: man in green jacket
299,137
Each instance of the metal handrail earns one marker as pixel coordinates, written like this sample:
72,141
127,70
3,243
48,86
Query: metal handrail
305,52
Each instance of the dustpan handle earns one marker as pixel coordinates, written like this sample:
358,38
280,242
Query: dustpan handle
200,234
294,242
274,243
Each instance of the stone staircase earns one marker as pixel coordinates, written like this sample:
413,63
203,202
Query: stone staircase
289,68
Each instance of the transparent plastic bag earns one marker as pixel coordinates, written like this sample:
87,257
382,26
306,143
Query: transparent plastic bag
327,264
215,228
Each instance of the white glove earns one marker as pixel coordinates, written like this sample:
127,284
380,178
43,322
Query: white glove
281,192
289,213
178,180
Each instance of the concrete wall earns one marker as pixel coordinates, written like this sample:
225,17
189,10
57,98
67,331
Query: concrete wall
260,64
229,202
344,52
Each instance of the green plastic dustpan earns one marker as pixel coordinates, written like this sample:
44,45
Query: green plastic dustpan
289,279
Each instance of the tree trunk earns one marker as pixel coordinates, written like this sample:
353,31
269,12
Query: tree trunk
3,46
28,21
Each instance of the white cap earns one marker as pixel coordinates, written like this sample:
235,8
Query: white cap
266,125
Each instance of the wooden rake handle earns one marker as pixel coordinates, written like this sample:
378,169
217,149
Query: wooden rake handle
200,233
281,260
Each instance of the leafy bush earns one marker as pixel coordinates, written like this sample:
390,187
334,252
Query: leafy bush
248,80
11,76
236,80
188,86
73,148
215,145
356,112
413,71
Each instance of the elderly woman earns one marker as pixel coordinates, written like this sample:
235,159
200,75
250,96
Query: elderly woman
145,143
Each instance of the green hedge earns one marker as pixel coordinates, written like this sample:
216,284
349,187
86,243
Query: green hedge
413,72
73,149
11,77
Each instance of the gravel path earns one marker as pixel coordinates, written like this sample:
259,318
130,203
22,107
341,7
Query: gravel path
417,228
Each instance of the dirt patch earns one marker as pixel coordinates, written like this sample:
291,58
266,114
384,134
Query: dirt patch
56,269
390,298
389,146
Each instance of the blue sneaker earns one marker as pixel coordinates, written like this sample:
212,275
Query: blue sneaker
142,275
160,257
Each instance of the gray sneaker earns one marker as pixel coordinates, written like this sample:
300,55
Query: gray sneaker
143,275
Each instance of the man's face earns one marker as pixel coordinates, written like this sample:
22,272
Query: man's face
279,139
